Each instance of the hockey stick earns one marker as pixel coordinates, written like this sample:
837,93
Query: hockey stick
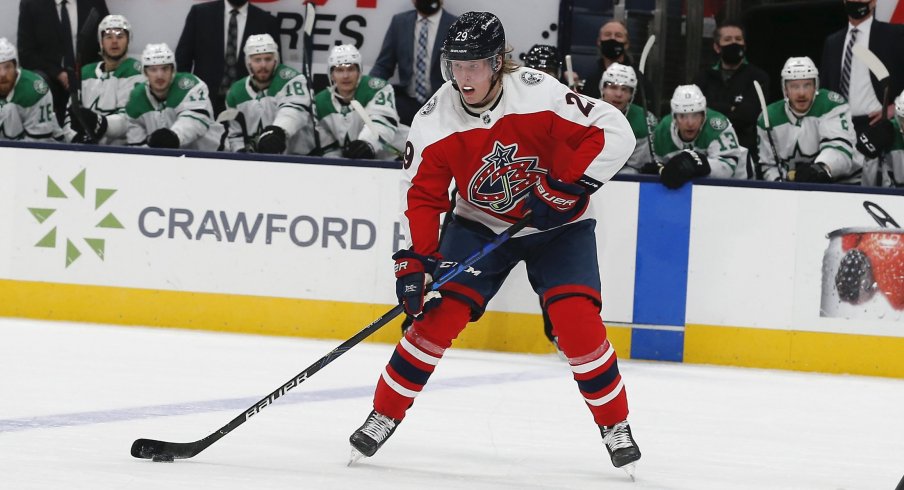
778,163
569,72
310,16
75,82
878,69
373,127
168,451
643,93
234,115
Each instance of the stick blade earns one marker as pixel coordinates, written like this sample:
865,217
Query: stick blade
872,61
762,98
646,52
162,450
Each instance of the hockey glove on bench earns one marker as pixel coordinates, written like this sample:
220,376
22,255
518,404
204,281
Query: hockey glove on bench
682,167
411,271
163,138
272,140
97,125
554,203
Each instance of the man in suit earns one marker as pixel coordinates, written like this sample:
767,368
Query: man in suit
47,44
412,44
843,73
212,43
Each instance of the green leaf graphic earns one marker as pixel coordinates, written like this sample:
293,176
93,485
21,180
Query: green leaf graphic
79,182
72,253
96,244
49,240
110,221
41,214
101,196
53,190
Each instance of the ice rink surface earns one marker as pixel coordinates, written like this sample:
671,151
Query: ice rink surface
73,397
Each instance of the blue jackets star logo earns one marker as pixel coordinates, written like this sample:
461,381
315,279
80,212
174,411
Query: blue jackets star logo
504,179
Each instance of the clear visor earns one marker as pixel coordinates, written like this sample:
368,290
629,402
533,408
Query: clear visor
470,72
116,32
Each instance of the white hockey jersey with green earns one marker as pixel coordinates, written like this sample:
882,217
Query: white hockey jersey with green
641,126
26,113
717,140
338,123
825,135
107,93
285,103
186,111
888,169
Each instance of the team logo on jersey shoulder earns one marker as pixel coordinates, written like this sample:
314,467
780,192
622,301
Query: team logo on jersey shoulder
376,83
836,97
186,83
504,179
287,73
40,86
136,66
530,78
429,106
718,123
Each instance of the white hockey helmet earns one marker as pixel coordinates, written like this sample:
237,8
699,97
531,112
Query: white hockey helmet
260,44
344,54
157,54
688,99
899,109
801,68
619,74
113,21
8,51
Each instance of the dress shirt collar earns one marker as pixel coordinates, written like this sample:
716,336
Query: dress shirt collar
433,18
863,28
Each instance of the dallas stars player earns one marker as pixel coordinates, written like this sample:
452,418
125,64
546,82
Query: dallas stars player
26,106
171,110
617,86
340,127
106,85
274,101
811,131
888,169
694,141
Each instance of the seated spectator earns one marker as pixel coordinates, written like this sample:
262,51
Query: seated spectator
106,87
728,84
694,141
274,103
887,169
613,47
171,110
26,105
341,129
618,86
810,136
411,45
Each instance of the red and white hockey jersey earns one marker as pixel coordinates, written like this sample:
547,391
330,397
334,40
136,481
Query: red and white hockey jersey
536,126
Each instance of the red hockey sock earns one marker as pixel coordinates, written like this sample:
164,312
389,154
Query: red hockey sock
417,355
582,337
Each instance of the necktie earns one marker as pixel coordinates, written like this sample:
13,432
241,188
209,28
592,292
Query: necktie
230,74
846,66
420,74
66,30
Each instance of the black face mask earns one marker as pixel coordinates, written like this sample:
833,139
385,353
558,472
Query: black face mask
238,3
856,10
427,7
612,49
732,54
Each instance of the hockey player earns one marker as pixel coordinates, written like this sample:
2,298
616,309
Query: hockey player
617,87
274,102
106,86
810,131
171,110
694,141
342,130
26,105
887,169
514,141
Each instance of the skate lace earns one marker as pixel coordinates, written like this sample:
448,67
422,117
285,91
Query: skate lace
618,437
378,427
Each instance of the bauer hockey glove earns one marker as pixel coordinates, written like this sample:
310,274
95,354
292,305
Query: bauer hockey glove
876,139
412,270
272,140
163,138
813,173
682,167
554,203
96,125
360,150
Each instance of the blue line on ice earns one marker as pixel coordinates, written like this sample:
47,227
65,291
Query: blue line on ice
191,408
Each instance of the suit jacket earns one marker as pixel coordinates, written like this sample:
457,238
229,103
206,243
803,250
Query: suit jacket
398,50
202,46
885,40
40,36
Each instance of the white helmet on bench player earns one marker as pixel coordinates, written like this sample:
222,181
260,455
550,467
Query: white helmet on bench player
688,99
8,51
260,44
157,54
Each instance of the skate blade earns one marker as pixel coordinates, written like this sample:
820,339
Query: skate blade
629,470
355,456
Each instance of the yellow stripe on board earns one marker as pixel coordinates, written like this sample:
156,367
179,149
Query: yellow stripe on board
795,350
506,332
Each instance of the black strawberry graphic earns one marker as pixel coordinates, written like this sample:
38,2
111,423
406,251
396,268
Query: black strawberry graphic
854,279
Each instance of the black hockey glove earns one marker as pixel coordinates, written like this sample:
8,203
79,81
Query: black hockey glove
163,138
876,139
96,124
272,140
411,271
651,168
554,203
683,167
360,150
812,173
